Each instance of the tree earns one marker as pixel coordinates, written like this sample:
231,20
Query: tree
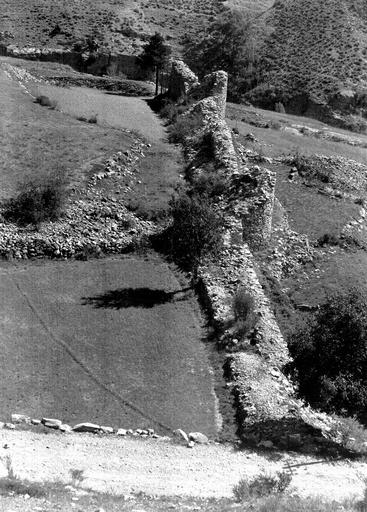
155,55
196,231
330,355
229,44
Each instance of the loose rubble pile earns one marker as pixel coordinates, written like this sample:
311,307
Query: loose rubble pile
179,435
93,220
336,175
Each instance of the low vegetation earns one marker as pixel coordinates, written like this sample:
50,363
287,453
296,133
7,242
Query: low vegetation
45,101
183,127
244,312
263,485
38,200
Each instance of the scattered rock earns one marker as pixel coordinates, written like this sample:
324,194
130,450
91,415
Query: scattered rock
9,426
20,418
121,432
35,422
51,423
190,444
65,428
198,438
107,430
181,435
87,427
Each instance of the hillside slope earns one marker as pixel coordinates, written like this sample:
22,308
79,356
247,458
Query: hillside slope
315,55
122,24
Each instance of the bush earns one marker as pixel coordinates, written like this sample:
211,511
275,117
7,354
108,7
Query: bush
184,127
209,184
330,355
244,312
45,101
262,485
196,231
38,200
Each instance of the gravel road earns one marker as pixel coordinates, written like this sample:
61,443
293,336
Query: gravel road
163,467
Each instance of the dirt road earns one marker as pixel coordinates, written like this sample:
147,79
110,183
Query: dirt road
162,467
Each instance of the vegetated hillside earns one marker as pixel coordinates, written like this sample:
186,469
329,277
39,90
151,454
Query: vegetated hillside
316,54
122,24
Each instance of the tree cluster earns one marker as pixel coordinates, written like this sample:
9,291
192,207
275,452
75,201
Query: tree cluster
330,355
230,43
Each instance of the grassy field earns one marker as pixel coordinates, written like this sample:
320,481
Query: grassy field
334,269
81,341
34,139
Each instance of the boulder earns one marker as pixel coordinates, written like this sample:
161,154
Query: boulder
190,444
20,418
121,432
9,426
181,435
51,423
65,428
106,430
87,427
198,438
35,422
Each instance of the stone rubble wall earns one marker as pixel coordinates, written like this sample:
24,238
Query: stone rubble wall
182,79
267,407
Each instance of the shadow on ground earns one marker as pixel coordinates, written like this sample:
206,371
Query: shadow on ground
134,298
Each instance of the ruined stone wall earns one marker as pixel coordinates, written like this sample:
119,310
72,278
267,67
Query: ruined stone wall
268,409
182,79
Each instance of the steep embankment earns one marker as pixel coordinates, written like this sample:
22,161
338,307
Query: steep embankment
314,56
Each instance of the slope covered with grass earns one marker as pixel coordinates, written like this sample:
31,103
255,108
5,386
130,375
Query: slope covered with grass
315,51
122,25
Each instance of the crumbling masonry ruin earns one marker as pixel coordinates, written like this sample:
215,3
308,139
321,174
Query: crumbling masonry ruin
268,409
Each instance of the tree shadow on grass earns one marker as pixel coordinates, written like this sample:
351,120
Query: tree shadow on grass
134,298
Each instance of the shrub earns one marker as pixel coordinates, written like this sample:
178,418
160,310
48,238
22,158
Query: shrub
196,231
244,312
279,107
330,355
45,101
183,127
38,200
262,485
209,184
328,239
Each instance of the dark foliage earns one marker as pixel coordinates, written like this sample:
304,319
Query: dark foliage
131,297
155,55
38,200
230,44
330,355
196,231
